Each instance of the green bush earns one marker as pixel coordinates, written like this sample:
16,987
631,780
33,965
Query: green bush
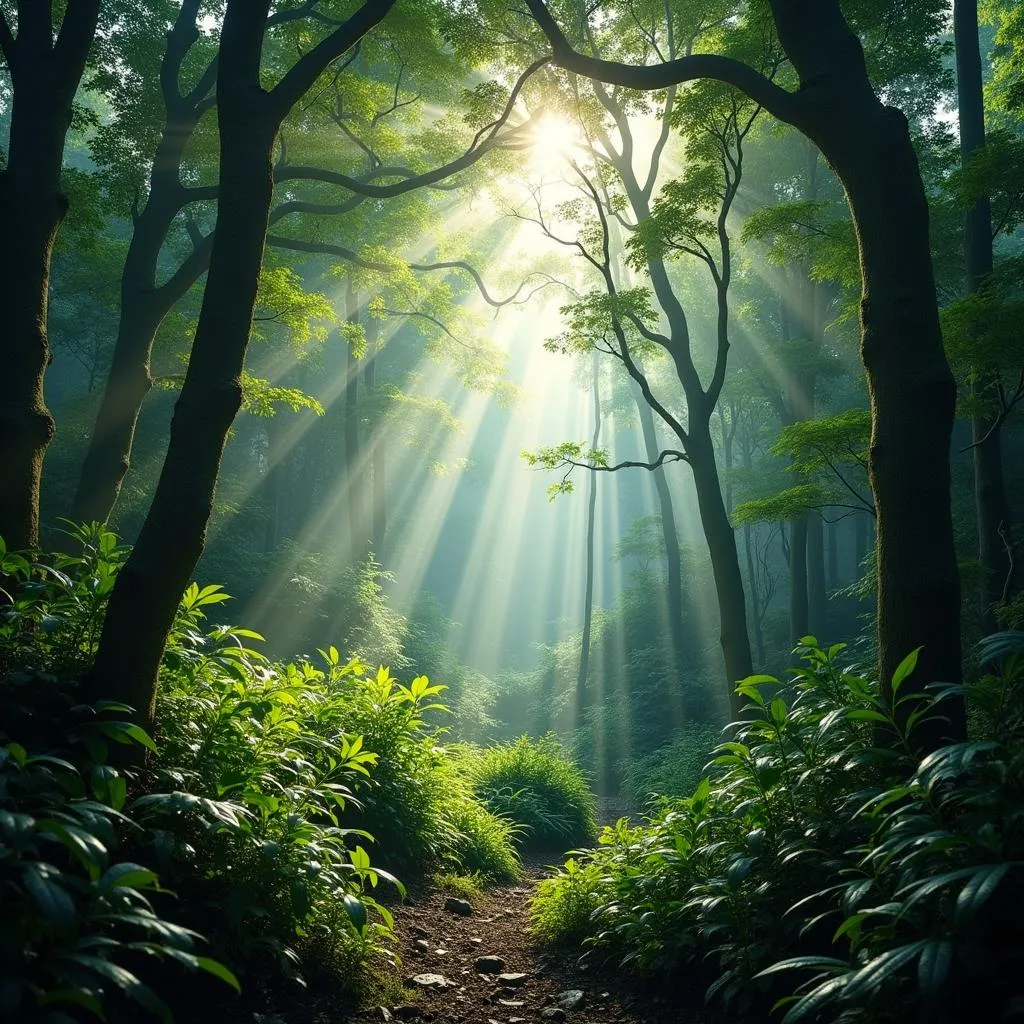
77,914
888,883
534,783
270,784
673,770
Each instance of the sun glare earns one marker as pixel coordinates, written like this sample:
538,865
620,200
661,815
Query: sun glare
554,139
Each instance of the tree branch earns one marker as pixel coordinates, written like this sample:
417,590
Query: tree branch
308,68
784,105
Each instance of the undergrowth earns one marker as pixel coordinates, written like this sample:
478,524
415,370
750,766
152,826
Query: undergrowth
822,865
251,847
536,783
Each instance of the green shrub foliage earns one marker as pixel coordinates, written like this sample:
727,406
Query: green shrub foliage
274,793
537,785
821,863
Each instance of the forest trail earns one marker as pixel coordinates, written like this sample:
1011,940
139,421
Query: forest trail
479,965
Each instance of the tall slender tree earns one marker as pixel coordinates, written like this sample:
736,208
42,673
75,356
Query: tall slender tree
45,67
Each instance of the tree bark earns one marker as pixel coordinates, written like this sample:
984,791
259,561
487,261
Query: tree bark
146,595
44,77
799,625
669,532
758,608
725,563
144,304
995,542
583,694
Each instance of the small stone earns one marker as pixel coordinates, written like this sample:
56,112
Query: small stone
511,980
418,929
385,1014
476,941
421,946
489,964
570,999
553,1013
440,952
407,1011
512,1002
457,906
429,981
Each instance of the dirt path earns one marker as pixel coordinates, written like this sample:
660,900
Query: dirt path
448,982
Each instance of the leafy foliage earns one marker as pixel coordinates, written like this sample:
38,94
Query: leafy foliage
875,870
535,784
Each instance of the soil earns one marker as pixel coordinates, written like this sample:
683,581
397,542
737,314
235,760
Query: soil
498,926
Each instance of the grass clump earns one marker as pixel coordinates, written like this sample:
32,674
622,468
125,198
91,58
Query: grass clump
467,887
536,784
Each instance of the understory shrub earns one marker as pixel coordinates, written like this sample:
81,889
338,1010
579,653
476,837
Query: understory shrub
673,770
275,793
822,863
537,785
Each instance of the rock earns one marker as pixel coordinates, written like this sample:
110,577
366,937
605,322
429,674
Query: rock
407,1011
456,906
433,981
570,999
385,1014
421,946
512,1002
476,941
440,952
553,1013
489,964
511,980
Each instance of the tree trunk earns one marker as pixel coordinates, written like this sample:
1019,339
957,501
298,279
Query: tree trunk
995,544
725,563
143,304
832,537
911,388
755,598
799,624
143,308
145,597
669,531
817,593
44,78
355,468
378,438
583,695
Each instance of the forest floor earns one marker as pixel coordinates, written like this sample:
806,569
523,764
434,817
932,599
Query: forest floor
477,963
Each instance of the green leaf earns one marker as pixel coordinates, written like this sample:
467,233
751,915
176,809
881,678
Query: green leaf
903,669
933,967
355,909
218,970
977,890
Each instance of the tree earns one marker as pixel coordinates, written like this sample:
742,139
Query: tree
145,597
911,387
995,540
45,69
175,89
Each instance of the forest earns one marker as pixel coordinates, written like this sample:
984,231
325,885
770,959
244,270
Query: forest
512,511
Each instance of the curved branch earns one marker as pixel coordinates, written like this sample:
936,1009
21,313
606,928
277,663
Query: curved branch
668,456
784,105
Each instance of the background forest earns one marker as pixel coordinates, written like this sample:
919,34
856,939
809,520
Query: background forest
574,378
